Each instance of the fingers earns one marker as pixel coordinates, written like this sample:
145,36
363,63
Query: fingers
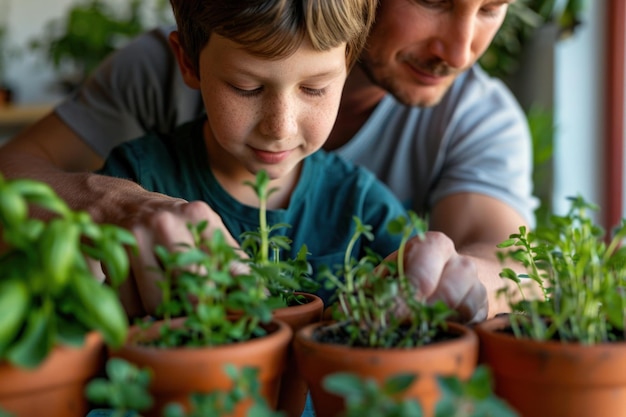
145,267
438,272
197,211
461,290
426,260
163,221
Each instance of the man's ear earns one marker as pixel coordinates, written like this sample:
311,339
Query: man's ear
189,73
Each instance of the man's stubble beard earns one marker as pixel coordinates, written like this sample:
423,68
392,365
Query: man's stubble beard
402,89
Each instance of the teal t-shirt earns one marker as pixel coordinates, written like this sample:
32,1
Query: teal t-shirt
329,193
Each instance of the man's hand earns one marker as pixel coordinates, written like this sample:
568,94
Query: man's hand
438,272
51,152
162,221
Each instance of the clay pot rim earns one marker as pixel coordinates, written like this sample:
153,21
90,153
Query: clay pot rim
90,355
315,302
466,336
276,329
491,328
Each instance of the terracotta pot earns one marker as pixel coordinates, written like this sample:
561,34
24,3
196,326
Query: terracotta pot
179,372
293,388
456,356
553,379
56,387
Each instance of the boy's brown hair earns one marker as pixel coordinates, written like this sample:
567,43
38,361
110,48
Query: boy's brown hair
274,28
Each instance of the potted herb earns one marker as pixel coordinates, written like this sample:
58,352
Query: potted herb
563,354
290,285
210,317
367,338
288,281
56,315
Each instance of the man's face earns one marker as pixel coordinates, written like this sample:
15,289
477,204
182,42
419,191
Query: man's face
418,47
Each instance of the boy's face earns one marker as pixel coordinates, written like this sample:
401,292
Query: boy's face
267,114
418,47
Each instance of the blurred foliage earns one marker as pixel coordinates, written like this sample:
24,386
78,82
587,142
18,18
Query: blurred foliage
502,60
90,30
523,18
542,129
3,37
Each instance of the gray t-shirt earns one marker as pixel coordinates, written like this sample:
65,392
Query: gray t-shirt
476,140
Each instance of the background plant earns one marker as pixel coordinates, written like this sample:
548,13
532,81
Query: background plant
531,30
49,295
282,277
367,292
580,274
90,30
3,54
523,18
4,35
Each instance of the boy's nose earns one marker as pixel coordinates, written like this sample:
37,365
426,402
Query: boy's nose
279,120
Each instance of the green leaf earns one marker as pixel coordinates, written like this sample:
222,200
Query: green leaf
70,331
103,307
398,383
510,274
13,207
36,342
40,194
343,384
14,305
60,248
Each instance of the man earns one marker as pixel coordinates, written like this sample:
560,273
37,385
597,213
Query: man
449,142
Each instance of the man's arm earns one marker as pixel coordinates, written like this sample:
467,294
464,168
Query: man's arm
484,223
51,152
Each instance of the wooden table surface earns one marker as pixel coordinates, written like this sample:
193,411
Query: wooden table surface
22,114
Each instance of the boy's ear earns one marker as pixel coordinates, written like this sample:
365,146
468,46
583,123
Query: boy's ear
187,70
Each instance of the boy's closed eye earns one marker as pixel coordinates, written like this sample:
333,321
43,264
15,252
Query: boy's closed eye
250,92
247,92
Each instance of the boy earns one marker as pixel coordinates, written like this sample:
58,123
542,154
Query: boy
271,74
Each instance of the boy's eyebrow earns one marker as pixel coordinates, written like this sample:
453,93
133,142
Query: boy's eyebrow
324,74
